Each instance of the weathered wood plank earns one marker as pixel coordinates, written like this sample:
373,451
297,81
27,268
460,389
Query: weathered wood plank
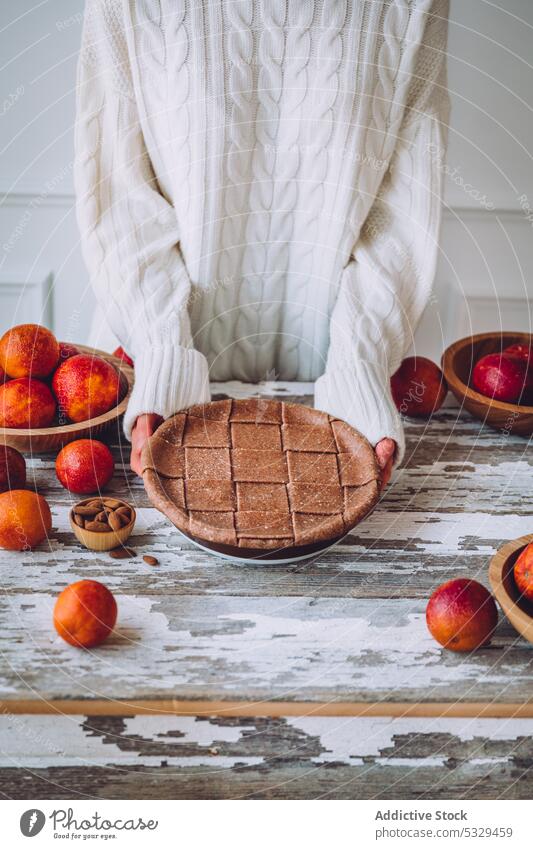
462,781
403,555
291,649
300,757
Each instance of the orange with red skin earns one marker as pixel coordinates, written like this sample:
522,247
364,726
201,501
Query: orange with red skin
525,354
85,613
66,351
25,402
29,350
122,355
12,469
25,519
84,466
521,352
523,572
86,387
502,377
418,387
461,615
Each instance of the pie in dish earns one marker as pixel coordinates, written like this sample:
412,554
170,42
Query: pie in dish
260,478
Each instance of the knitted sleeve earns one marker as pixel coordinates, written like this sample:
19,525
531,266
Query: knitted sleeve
387,282
129,231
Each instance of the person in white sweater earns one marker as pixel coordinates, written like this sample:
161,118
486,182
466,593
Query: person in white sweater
258,190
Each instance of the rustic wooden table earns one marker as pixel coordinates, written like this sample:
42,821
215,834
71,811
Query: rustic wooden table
315,680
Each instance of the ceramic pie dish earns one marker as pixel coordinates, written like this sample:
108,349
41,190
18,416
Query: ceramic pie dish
260,479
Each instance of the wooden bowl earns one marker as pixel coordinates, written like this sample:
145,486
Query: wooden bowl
458,362
43,439
518,610
102,540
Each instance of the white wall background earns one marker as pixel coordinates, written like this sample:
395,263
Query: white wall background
485,273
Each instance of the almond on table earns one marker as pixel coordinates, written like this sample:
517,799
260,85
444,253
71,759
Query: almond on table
150,560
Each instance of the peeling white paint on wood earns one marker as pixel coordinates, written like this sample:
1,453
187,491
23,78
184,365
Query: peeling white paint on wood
67,740
456,486
353,738
191,742
255,648
401,544
412,763
439,533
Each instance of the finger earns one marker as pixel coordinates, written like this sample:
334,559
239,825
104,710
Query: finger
385,451
135,462
385,475
381,455
387,472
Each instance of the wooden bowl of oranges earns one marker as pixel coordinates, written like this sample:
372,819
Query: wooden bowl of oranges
491,375
53,392
511,579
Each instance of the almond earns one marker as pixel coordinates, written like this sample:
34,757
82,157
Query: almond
85,510
79,520
124,510
101,517
115,521
95,502
152,561
102,527
122,553
112,503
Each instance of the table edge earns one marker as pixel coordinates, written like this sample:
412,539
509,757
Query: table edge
103,707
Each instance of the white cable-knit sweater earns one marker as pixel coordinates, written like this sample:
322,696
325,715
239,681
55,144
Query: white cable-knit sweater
258,191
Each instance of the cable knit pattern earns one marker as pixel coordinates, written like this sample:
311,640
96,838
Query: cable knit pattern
262,255
325,172
388,278
300,257
257,191
240,45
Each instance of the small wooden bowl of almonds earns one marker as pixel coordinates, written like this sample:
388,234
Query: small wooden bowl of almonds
102,523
